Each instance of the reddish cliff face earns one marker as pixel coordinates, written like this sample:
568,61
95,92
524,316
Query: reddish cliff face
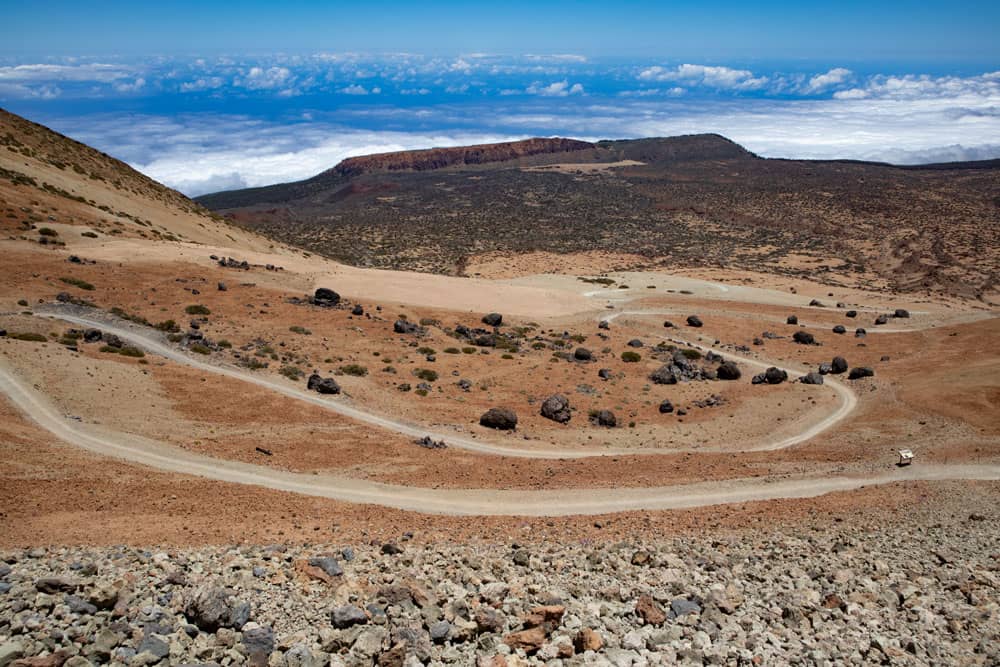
437,158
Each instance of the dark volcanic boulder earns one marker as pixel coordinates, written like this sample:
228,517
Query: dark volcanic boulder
667,324
666,407
665,374
582,354
322,385
775,375
603,324
804,338
851,313
213,607
92,335
860,333
604,418
825,368
811,378
358,309
502,419
635,342
838,365
493,319
881,319
556,408
728,370
758,379
694,321
112,340
405,327
604,373
816,303
901,312
839,329
859,372
325,298
792,319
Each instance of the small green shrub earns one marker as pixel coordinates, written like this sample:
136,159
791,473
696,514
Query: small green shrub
452,350
506,356
425,350
631,356
224,344
429,322
129,351
89,235
691,354
28,336
300,330
47,231
198,348
197,309
357,370
538,345
426,374
291,372
468,350
167,325
175,337
76,282
420,392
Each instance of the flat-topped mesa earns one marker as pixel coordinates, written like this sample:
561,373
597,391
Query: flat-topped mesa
438,158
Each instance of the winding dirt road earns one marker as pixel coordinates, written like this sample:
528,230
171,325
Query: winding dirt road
149,342
457,502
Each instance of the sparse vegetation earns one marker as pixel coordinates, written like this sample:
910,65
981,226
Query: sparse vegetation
631,356
198,348
197,309
47,231
426,374
28,336
292,372
356,370
452,350
300,330
125,351
76,282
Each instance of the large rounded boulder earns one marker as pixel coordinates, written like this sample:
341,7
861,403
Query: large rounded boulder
804,338
322,385
501,419
325,297
556,408
604,418
728,370
775,375
493,319
838,365
694,321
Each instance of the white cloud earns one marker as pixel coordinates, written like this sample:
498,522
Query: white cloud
202,83
556,57
354,89
45,72
135,86
556,89
259,78
835,77
923,86
706,75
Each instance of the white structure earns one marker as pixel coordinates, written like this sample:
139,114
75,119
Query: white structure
905,457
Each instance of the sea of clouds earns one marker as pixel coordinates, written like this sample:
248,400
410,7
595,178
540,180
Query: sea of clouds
202,125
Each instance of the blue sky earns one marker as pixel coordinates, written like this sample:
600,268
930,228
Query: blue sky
206,96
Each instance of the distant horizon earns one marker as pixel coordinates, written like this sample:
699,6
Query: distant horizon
263,94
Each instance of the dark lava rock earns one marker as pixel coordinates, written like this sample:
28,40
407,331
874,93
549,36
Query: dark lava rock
221,287
112,340
901,312
881,319
493,319
405,327
839,329
604,373
728,370
322,385
635,342
328,564
213,607
666,407
391,549
604,418
817,303
582,354
694,321
860,333
603,324
792,319
804,338
851,313
556,408
665,374
811,378
347,616
825,368
668,324
92,335
259,643
325,298
859,372
357,310
503,419
838,365
774,375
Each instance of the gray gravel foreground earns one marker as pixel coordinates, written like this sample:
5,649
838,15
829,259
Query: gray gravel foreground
902,595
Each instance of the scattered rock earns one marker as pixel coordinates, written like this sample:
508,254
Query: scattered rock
901,312
804,338
694,321
213,607
604,373
406,327
840,329
493,319
859,372
881,319
503,419
838,365
347,616
604,418
650,612
322,385
811,378
792,319
325,298
635,342
666,407
774,375
357,310
728,370
582,354
556,408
